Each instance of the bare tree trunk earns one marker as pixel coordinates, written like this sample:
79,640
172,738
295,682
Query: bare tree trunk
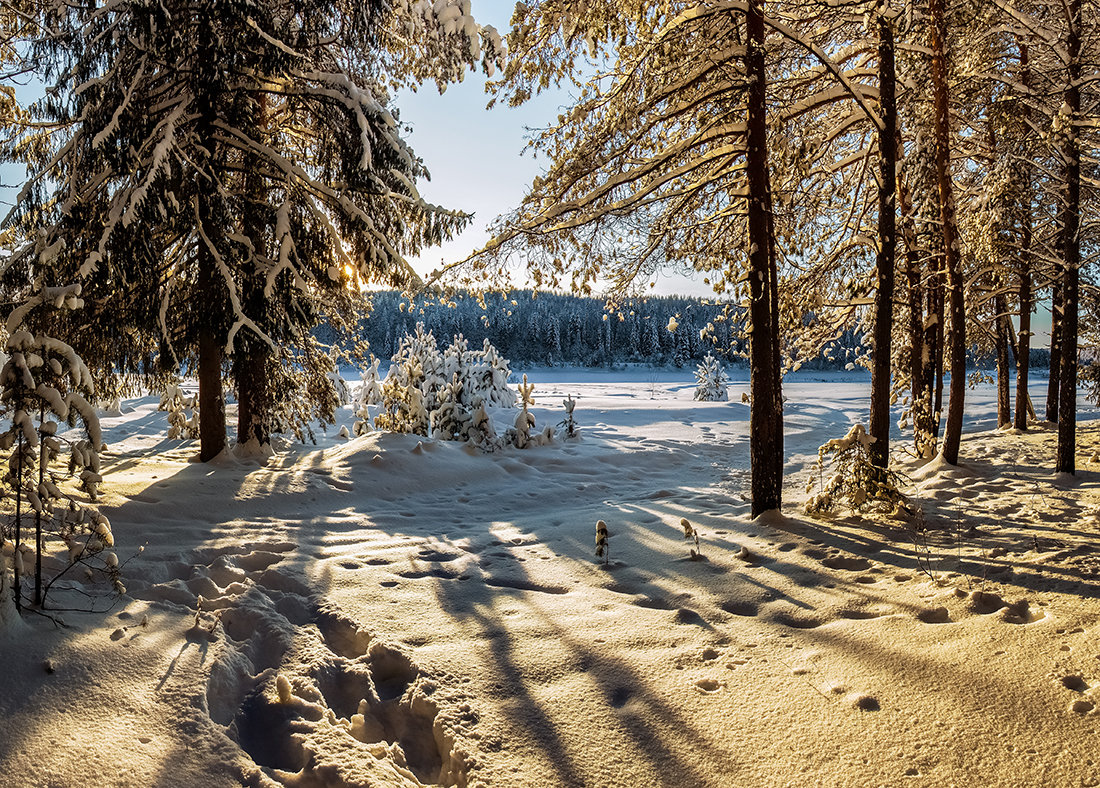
1023,350
1057,308
1002,329
766,416
1002,342
211,396
1071,248
922,402
952,433
253,398
887,243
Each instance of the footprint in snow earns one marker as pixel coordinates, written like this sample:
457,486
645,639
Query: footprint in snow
740,608
1074,682
847,563
709,686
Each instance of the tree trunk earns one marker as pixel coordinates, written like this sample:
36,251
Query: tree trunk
1071,248
766,416
1002,328
952,433
37,512
1023,350
17,587
253,398
918,361
1057,309
1002,343
934,340
211,396
887,242
252,355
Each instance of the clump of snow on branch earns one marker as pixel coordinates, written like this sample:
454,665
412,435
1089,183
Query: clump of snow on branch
183,412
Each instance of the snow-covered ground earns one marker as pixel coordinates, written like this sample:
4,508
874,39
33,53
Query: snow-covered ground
391,611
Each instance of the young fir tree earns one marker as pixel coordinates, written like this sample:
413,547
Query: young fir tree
42,383
711,381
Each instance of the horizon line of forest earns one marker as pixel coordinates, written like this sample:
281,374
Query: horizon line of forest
561,329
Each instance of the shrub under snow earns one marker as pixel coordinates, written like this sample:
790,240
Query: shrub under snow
183,412
854,479
441,392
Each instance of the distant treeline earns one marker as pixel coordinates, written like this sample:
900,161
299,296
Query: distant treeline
569,330
566,330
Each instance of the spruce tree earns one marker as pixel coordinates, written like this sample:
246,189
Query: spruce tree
224,174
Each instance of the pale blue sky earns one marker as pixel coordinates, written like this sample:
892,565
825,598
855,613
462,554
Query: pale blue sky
476,156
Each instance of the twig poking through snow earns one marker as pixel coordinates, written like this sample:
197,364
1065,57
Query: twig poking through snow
691,533
602,548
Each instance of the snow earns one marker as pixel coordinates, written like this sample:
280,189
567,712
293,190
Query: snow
394,611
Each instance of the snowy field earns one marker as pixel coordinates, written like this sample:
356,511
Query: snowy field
391,611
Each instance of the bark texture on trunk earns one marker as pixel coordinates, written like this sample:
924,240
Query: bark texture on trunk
766,417
1071,247
952,432
253,397
211,396
887,242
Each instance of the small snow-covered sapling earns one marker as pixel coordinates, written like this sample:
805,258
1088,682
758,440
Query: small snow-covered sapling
855,479
481,432
712,382
602,547
568,423
177,404
525,420
368,393
41,385
691,533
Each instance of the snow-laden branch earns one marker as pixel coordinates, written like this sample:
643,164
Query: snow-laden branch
242,320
